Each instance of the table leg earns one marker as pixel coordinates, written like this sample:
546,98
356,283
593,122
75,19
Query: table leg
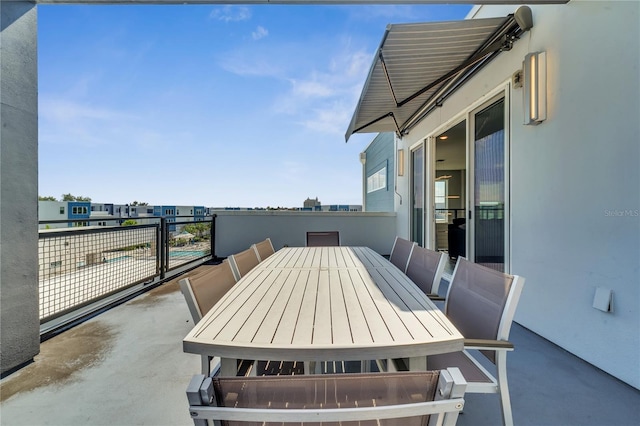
228,367
312,367
418,363
205,361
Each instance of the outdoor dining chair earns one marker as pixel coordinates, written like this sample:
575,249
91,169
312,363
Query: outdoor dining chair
243,262
481,303
401,252
417,398
263,249
323,238
203,292
425,269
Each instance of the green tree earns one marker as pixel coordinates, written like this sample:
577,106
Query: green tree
70,197
47,198
198,229
129,222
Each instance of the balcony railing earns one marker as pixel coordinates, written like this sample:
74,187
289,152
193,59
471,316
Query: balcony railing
82,265
84,269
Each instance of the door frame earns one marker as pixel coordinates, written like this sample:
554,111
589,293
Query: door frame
428,142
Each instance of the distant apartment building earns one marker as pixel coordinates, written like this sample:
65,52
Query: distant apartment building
316,206
310,204
67,214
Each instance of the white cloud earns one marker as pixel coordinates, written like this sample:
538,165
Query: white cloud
63,110
332,119
68,122
65,122
259,33
231,13
323,101
254,66
314,87
322,92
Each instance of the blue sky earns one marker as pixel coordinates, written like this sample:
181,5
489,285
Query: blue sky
208,105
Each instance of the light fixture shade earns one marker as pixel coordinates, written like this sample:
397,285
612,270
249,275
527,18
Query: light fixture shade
400,162
535,87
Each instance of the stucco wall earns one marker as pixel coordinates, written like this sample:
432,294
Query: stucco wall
237,230
19,334
575,182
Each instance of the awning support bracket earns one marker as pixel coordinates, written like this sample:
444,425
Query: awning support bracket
386,75
389,114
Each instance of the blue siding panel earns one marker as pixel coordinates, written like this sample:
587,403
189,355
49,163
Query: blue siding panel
380,153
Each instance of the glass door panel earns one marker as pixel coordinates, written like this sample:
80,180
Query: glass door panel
449,184
417,195
489,186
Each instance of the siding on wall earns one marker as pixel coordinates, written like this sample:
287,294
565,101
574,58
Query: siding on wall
380,153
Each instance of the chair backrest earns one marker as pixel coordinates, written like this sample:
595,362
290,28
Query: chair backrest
425,268
481,302
323,238
243,262
331,398
401,252
204,291
263,249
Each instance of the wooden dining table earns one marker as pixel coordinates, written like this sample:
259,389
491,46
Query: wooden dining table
323,304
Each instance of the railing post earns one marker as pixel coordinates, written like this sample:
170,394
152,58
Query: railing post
164,247
213,237
158,248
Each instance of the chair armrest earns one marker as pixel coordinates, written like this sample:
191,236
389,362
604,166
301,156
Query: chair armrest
436,297
485,344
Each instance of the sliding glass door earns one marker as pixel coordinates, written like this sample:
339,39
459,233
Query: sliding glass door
417,195
467,196
488,196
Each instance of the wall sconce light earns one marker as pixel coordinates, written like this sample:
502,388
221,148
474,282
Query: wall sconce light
363,158
400,164
535,87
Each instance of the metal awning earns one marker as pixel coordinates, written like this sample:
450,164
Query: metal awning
418,65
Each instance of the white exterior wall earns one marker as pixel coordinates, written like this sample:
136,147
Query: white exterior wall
236,230
50,210
184,210
575,182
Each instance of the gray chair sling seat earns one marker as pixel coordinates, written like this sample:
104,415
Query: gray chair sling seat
264,249
278,368
243,262
402,398
401,252
205,290
425,269
323,238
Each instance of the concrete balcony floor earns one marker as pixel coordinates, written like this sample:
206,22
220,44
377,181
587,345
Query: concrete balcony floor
126,367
